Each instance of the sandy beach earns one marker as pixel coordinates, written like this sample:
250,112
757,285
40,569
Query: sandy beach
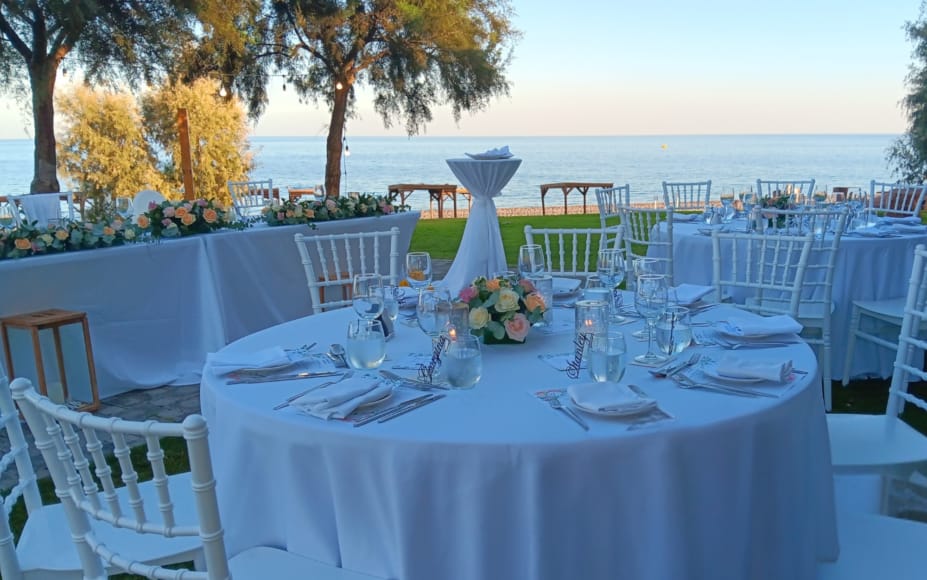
462,212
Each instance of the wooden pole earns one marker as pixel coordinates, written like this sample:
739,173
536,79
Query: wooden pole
186,164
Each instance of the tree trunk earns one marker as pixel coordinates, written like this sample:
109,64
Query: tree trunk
335,141
42,78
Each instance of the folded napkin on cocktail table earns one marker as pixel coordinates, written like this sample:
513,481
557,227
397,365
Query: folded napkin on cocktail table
498,153
344,397
687,294
268,358
749,325
608,398
738,367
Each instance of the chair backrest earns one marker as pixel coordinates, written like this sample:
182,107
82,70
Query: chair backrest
46,208
609,200
331,262
686,195
762,273
250,197
10,216
143,199
909,359
67,437
646,237
574,252
797,188
899,199
16,456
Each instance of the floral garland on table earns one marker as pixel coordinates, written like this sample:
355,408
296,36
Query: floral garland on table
289,212
173,219
30,240
501,309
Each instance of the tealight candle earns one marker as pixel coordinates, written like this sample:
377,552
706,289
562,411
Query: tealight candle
591,316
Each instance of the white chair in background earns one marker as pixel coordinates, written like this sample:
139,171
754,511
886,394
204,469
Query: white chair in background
46,208
609,200
896,199
573,252
332,261
681,195
157,513
885,314
797,188
143,199
885,444
250,197
646,237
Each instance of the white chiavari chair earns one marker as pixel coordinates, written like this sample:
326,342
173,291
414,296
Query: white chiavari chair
797,188
250,197
609,200
573,252
896,199
646,237
332,261
162,511
681,195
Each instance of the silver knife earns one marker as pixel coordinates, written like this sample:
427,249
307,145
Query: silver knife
390,410
290,377
405,410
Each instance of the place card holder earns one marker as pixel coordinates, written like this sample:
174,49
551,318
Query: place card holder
426,372
574,366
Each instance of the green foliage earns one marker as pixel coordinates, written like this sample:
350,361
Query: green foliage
289,212
908,155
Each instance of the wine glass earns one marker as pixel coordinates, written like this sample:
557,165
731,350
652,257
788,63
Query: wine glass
367,295
650,300
418,269
123,207
434,311
530,260
611,270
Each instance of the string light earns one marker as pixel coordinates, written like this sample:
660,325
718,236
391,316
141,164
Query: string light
338,86
222,92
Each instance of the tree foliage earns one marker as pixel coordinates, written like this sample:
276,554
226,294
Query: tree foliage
413,54
908,154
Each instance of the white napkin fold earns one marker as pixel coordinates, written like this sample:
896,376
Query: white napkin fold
909,228
611,396
911,220
686,217
747,325
224,363
341,399
687,294
497,153
872,232
738,367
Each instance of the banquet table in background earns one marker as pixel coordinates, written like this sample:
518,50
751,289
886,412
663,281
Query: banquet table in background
481,252
866,269
156,310
492,483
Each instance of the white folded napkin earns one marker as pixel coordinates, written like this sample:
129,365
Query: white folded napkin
687,294
343,398
608,397
872,232
738,367
747,325
686,217
497,153
911,220
224,363
909,228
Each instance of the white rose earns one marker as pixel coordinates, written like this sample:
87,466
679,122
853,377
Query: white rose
479,317
508,301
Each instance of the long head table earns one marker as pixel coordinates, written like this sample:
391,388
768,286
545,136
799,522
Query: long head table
493,483
156,310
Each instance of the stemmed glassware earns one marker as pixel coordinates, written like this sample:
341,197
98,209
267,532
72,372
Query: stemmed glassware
367,296
418,269
650,300
530,260
727,206
123,207
434,311
611,270
391,296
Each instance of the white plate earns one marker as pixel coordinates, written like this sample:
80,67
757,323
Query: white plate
564,287
713,373
386,396
632,405
629,411
260,370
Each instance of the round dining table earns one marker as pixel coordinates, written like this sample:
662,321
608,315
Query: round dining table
866,268
492,482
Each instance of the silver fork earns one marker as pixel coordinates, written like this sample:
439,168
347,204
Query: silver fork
554,402
686,382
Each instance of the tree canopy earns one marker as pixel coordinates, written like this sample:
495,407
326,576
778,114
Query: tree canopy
908,154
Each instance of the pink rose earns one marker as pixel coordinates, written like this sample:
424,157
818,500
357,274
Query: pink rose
169,212
152,205
527,285
281,215
166,222
201,202
517,327
387,209
468,294
331,205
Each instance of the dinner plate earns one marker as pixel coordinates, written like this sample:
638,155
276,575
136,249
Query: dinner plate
386,396
632,404
713,373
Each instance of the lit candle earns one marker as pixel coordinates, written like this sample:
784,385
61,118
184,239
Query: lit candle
452,334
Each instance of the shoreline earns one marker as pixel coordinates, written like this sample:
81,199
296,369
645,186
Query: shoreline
463,212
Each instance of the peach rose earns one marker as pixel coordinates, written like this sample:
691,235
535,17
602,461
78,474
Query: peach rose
179,212
533,301
309,213
22,244
61,235
517,328
479,318
143,221
188,219
210,216
492,284
108,231
527,285
508,301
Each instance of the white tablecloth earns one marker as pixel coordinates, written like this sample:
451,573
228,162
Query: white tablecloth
866,269
492,483
156,310
481,252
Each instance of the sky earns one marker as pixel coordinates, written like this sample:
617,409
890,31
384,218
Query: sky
668,67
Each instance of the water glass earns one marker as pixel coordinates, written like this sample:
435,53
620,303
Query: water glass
391,296
434,311
462,364
366,345
123,207
530,260
367,296
611,270
674,331
418,269
650,300
544,285
607,357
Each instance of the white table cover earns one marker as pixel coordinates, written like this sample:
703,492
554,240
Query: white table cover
866,269
156,310
492,483
481,252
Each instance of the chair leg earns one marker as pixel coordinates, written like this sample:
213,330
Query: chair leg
827,376
851,345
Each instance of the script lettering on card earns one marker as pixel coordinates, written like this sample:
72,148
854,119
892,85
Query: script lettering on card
580,342
427,372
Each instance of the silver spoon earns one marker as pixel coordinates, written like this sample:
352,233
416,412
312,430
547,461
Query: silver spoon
336,353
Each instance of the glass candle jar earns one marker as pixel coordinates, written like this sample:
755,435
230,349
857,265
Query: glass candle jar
591,317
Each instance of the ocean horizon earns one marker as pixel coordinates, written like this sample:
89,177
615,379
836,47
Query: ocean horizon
732,162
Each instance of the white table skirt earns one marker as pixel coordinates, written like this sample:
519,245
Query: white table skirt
866,269
492,483
156,310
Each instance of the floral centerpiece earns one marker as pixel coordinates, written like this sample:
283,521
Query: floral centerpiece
30,240
502,310
290,212
172,219
778,201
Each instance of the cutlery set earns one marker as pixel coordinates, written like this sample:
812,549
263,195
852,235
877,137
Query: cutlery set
394,411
